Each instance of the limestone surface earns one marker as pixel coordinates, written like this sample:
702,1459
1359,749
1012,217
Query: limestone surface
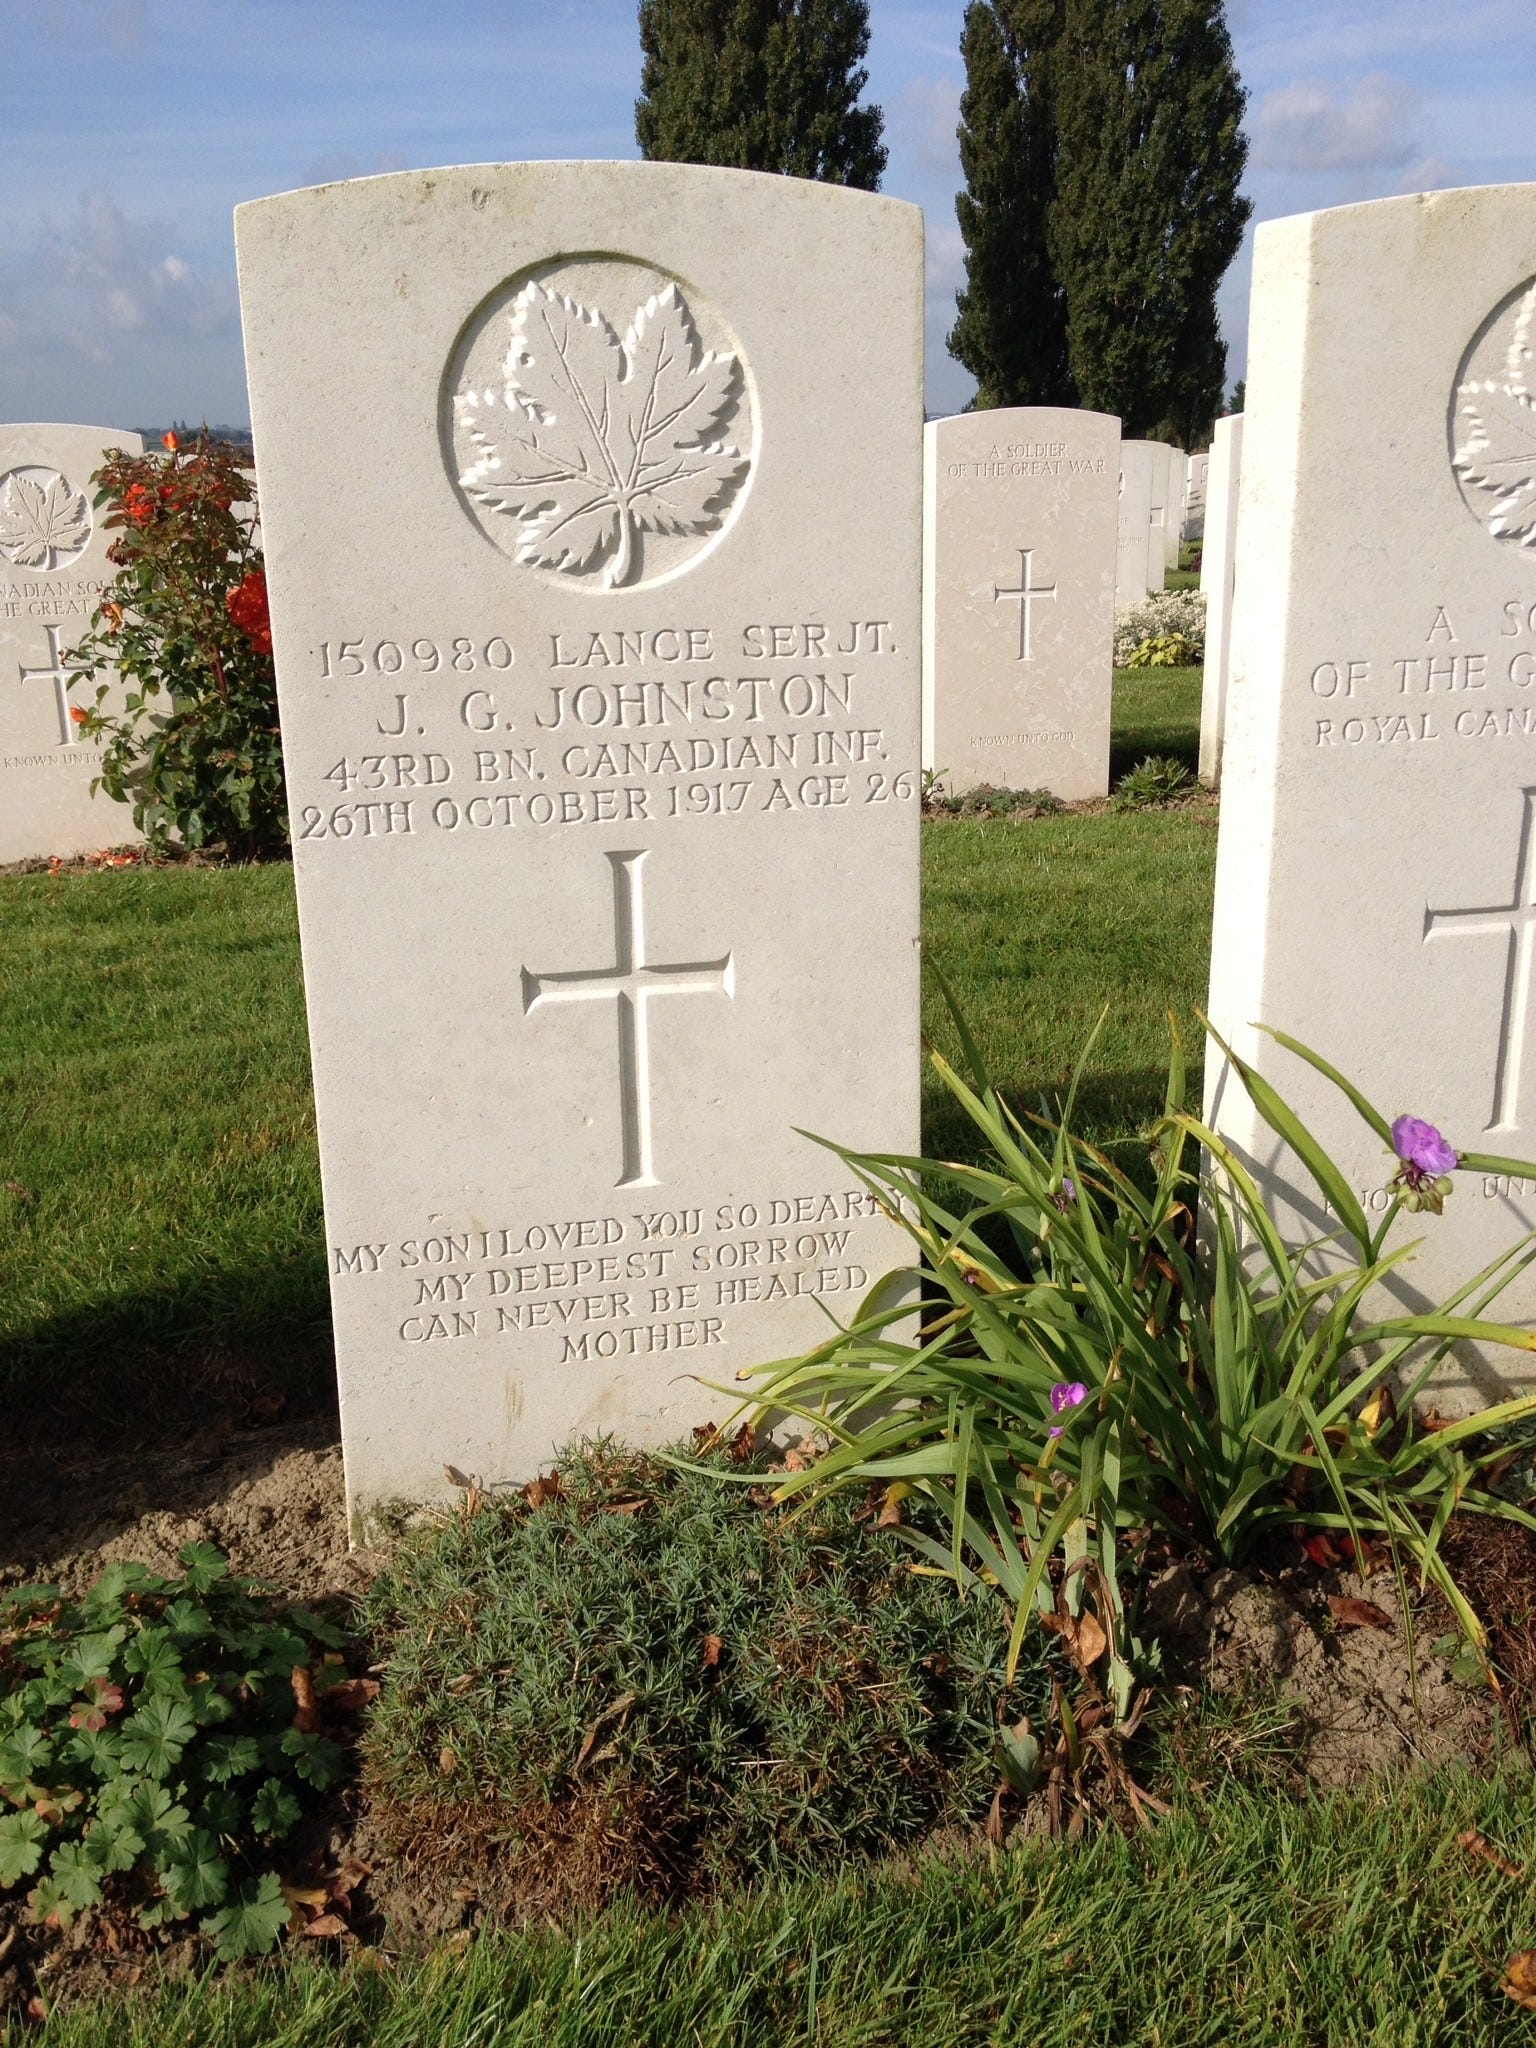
591,502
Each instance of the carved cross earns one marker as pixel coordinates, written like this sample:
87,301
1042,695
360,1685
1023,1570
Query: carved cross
1025,595
1514,923
631,984
59,676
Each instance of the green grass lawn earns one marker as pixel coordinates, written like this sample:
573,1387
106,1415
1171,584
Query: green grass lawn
1157,711
1245,1921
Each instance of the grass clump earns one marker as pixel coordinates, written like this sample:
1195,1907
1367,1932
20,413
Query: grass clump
635,1675
1153,782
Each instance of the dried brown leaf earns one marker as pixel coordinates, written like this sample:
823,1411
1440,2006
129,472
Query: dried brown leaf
350,1696
307,1717
714,1647
1477,1844
327,1925
1520,1978
447,1762
1352,1613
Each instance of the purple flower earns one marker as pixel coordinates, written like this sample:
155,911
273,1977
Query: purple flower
1065,1197
1066,1394
1421,1146
1427,1164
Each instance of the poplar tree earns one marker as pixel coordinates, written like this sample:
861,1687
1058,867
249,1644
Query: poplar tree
1011,333
1146,215
761,85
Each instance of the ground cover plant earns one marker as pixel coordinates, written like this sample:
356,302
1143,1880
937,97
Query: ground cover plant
158,1740
1245,1920
629,1676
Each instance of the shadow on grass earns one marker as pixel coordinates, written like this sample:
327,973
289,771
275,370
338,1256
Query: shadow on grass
1133,743
1111,1110
130,1367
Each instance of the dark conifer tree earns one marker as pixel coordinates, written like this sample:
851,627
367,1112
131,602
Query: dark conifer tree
1011,333
762,85
1147,214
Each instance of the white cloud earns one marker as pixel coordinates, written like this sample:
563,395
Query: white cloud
1366,123
106,310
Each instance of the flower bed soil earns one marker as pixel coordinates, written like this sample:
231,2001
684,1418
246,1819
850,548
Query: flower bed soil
267,1488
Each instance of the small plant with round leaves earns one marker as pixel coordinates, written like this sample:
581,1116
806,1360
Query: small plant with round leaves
159,1737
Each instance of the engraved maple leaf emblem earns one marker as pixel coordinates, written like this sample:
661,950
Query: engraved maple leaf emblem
593,439
1496,436
42,519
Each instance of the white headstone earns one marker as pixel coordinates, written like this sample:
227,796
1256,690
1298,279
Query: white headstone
1195,491
1173,519
53,568
1376,886
1157,500
594,588
1019,598
1217,562
1133,532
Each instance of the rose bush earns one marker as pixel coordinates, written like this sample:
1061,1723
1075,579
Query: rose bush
195,747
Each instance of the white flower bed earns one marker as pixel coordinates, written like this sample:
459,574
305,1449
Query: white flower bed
1161,611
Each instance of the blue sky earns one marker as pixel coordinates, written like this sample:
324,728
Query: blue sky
131,128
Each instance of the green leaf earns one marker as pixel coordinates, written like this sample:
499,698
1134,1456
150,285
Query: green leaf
222,1811
154,1737
252,1925
154,1654
204,1565
91,1656
146,1809
76,1876
189,1621
274,1809
193,1872
22,1754
229,1756
21,1838
315,1757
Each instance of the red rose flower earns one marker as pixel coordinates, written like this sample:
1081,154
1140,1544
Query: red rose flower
141,504
247,604
172,440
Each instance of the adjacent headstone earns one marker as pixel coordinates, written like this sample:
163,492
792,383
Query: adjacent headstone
1173,518
591,498
53,569
1217,563
1157,508
1376,887
1195,492
1019,598
1133,532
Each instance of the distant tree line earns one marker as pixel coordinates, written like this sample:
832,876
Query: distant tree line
1101,148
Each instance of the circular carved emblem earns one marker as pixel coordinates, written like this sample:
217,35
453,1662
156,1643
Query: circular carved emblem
45,523
1493,421
599,422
